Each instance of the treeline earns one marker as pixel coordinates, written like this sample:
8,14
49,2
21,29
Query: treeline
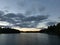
8,30
29,31
55,29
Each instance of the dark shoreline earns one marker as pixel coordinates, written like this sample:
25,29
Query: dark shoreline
29,31
8,31
52,30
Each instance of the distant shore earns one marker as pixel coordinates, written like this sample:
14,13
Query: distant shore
8,30
29,31
53,30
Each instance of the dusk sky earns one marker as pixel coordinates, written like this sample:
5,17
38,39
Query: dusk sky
29,13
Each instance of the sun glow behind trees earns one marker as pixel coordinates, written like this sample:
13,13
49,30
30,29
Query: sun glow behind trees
26,29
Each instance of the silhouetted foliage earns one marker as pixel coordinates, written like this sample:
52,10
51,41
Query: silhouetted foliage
29,31
8,30
55,29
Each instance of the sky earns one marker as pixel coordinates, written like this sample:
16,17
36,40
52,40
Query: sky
29,13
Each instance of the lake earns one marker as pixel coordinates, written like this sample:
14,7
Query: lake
29,39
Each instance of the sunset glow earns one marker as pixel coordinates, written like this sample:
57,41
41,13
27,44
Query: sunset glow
27,29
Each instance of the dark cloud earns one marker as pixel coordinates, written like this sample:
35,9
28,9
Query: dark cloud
23,20
20,15
10,15
1,13
51,23
36,18
32,21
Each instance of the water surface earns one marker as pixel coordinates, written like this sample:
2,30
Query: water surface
29,39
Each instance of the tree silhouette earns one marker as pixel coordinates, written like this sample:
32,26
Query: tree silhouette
55,29
8,30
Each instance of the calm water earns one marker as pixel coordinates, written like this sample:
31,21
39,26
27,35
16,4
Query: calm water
29,39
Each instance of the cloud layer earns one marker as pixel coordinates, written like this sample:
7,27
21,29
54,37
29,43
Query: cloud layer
22,20
30,13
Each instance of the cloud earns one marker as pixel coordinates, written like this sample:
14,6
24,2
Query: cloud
4,23
22,20
1,13
31,7
32,21
34,10
51,23
36,18
10,15
27,13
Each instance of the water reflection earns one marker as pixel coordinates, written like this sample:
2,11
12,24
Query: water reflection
29,39
54,40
